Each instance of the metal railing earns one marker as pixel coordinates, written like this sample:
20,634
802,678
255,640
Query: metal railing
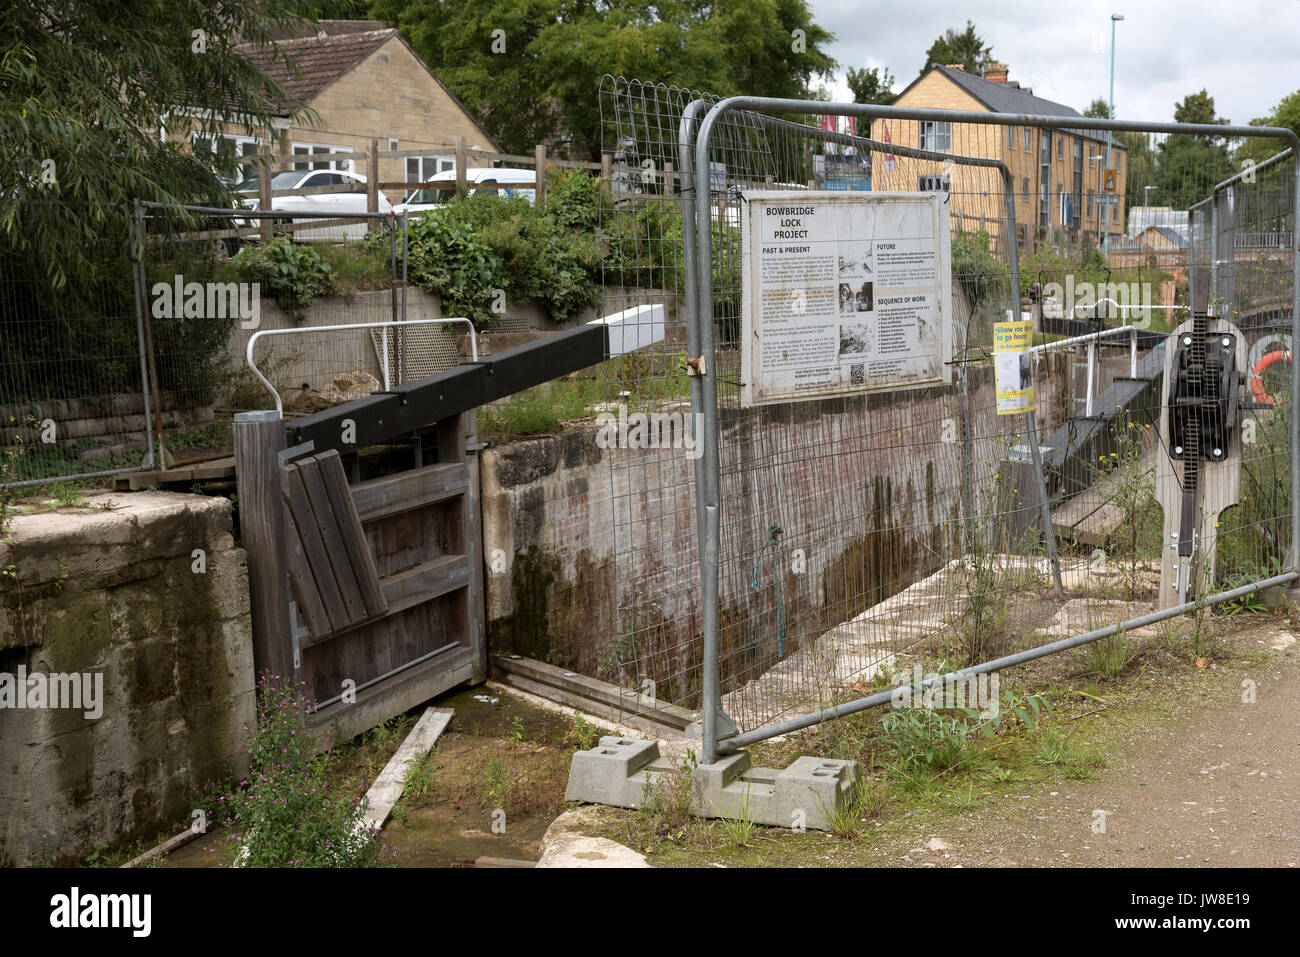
384,358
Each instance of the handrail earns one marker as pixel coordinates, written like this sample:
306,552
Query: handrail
1091,338
279,403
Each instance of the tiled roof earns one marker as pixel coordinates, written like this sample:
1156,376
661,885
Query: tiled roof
320,60
330,27
1010,98
1173,235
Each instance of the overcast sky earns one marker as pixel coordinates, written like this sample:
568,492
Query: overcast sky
1245,52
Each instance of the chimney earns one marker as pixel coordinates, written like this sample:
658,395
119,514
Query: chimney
996,72
955,66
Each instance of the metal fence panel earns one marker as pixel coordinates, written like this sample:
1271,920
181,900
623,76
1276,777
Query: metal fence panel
861,536
219,281
73,400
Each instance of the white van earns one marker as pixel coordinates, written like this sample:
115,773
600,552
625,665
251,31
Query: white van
439,189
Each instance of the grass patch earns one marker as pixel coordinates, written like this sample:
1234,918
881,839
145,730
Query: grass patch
1055,748
542,410
1109,657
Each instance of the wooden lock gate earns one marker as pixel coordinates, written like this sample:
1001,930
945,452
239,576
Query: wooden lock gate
371,592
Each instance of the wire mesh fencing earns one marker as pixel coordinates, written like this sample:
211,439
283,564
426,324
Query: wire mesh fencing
217,280
140,360
72,362
863,535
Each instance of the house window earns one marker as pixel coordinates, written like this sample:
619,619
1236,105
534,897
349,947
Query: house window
1060,147
933,183
1078,181
1044,177
1091,193
1027,146
1011,137
936,135
309,149
234,153
421,168
392,146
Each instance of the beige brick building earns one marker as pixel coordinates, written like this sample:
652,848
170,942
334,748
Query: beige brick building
1057,174
364,82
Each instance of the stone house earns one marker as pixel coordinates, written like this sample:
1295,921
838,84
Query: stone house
1057,174
362,81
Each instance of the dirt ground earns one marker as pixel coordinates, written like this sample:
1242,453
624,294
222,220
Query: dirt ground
1186,761
1188,757
489,788
1215,782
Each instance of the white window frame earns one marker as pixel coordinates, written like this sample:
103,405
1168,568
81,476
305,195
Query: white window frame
207,142
440,164
936,132
307,149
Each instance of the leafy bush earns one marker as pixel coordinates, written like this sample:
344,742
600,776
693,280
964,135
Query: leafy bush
287,817
1046,265
975,266
468,250
572,200
294,275
923,739
445,257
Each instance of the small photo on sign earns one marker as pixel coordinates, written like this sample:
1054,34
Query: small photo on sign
855,340
856,297
855,261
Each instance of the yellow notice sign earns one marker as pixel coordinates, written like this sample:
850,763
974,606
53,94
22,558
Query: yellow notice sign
1011,359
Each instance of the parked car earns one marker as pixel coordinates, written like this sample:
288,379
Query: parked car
346,203
439,189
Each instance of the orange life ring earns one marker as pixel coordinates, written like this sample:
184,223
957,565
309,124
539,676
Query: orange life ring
1257,383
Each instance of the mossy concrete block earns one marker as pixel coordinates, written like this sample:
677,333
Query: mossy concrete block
113,544
115,594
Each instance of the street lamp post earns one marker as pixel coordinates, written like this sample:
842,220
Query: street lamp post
1105,236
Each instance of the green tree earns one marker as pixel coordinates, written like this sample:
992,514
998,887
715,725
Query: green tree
85,88
1197,108
1141,169
1286,113
539,84
1098,109
1189,165
965,48
870,85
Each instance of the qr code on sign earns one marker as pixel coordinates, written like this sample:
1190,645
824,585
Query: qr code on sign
858,374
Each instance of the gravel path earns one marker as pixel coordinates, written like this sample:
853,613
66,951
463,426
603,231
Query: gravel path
1216,783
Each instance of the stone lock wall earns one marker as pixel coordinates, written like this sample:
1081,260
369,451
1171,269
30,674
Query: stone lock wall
577,536
112,593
